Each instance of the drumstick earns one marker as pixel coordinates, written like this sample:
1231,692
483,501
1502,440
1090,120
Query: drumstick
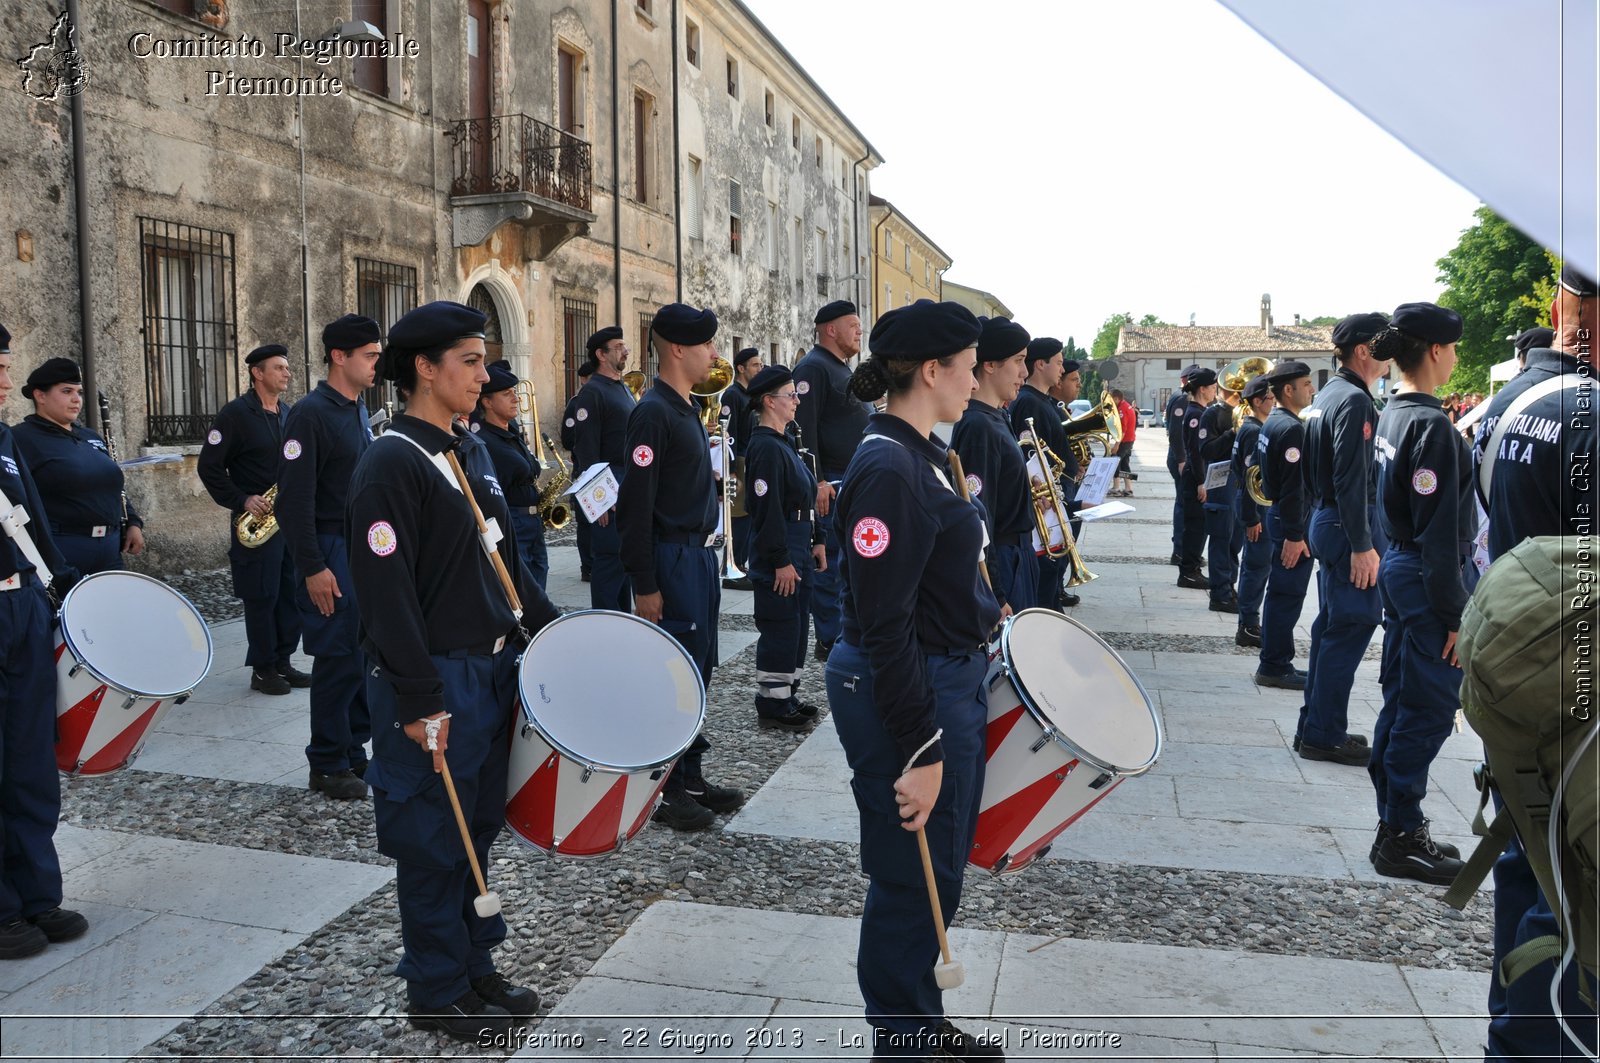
966,496
494,555
948,974
486,904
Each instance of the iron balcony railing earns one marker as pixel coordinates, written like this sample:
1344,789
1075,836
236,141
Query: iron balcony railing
516,153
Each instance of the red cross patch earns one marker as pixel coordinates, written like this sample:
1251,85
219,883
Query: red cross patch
870,537
643,455
1366,430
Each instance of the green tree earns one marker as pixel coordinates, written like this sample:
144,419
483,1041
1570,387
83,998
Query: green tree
1325,319
1500,282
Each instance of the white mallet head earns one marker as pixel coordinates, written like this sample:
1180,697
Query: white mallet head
487,905
949,975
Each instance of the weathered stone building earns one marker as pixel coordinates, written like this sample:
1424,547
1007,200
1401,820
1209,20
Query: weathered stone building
906,264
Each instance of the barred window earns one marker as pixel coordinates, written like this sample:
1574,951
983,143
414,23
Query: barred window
578,323
647,353
384,291
190,334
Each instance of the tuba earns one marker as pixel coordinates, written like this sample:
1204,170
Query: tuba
555,513
1044,472
252,530
1236,376
1100,428
634,381
1252,483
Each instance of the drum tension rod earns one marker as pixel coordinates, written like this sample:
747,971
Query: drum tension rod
1044,739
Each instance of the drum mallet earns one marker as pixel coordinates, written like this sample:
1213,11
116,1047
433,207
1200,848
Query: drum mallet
486,904
950,973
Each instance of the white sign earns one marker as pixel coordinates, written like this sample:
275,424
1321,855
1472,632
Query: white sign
1217,475
1097,481
1101,512
595,491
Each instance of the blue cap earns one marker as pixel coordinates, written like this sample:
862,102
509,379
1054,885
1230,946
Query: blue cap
1201,378
1428,322
54,371
1001,338
1357,329
598,341
1258,386
1043,348
350,332
677,323
834,310
265,351
501,378
924,330
1529,338
744,356
770,378
1284,372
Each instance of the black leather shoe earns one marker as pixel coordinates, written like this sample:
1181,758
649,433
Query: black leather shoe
1445,848
20,939
268,682
1068,599
1247,636
1292,681
681,812
1350,751
791,721
1415,855
953,1044
1193,580
716,798
1229,606
584,576
59,924
822,650
806,709
296,678
741,584
340,785
1175,560
514,1000
468,1018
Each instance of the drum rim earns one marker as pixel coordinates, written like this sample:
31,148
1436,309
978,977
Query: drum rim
1040,716
578,758
77,655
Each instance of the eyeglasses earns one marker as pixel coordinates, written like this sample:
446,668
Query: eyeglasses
792,396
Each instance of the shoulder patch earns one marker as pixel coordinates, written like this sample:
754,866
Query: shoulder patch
1194,422
381,539
1202,433
1366,429
582,414
476,427
974,484
214,436
643,455
870,537
802,387
570,422
1292,455
292,449
759,487
1425,481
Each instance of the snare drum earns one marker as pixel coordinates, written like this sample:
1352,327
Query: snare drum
1068,722
128,648
609,702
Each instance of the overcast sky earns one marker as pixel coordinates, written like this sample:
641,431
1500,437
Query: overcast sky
1084,157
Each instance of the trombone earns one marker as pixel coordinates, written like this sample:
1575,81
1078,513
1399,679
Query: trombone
1044,470
709,392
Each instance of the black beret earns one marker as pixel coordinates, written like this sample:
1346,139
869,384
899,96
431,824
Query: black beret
924,330
1188,371
1428,322
437,324
1000,339
744,356
598,341
1200,378
501,378
1577,282
265,351
834,310
677,323
1529,338
1257,387
1284,372
1357,329
5,340
350,332
1042,349
586,370
53,372
769,379
1070,365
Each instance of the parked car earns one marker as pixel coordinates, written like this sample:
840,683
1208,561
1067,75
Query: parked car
1149,419
1079,407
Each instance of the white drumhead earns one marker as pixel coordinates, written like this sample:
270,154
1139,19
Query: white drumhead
611,689
1068,676
136,633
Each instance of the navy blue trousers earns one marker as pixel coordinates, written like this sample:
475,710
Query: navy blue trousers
530,544
1346,619
1192,547
741,542
1224,540
585,555
1280,611
1014,568
898,947
90,554
340,726
1177,505
1255,561
1050,569
264,579
446,942
784,624
608,581
825,588
30,790
691,597
1421,692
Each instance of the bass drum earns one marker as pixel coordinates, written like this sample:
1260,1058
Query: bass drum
1068,722
593,749
128,648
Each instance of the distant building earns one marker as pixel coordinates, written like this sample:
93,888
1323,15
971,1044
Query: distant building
906,264
980,302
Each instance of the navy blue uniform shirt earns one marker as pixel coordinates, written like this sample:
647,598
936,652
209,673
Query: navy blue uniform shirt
80,484
736,406
830,419
324,436
1280,449
997,473
1425,495
1194,463
515,466
1216,444
600,415
669,491
1245,457
782,492
242,451
1176,405
1339,454
17,483
909,568
1047,418
569,423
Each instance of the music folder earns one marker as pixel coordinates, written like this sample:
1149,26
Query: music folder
595,491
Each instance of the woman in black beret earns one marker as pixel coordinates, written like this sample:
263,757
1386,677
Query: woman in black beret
906,678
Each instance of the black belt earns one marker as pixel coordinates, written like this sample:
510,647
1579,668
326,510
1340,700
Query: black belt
1016,538
92,531
483,649
330,527
685,538
799,516
1405,546
937,651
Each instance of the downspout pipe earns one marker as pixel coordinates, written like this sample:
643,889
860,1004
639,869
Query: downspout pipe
887,214
616,170
855,222
677,166
80,205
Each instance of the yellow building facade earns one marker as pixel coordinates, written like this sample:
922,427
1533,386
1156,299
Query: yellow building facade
906,264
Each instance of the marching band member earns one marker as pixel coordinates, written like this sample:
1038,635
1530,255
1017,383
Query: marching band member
237,465
325,434
997,471
1279,449
1202,389
1255,559
601,411
1172,418
443,641
1224,533
81,484
906,681
569,424
1046,369
515,466
1066,392
830,421
667,511
741,414
31,916
1346,538
786,547
1425,503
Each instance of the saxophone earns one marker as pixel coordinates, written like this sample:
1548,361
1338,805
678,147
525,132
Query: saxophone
252,530
555,513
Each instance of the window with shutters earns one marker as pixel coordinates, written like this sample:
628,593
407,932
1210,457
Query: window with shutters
735,234
821,259
643,111
569,90
1175,364
819,152
794,132
693,194
371,72
888,245
733,77
691,44
771,110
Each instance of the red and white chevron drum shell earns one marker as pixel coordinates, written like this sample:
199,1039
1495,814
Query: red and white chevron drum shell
609,702
1068,722
128,648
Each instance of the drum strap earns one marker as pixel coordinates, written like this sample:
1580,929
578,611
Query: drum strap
491,535
12,519
937,471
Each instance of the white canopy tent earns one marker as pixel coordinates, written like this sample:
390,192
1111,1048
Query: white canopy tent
1499,374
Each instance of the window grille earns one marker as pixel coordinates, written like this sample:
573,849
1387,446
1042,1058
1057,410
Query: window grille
190,328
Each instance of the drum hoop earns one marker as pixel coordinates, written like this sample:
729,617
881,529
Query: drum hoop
78,656
578,758
1044,720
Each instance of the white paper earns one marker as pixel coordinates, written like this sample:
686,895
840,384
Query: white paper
1097,481
1217,475
595,491
1101,512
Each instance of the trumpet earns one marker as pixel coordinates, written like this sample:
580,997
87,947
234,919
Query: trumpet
252,530
1044,471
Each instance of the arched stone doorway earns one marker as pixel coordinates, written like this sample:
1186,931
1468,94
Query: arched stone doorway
482,299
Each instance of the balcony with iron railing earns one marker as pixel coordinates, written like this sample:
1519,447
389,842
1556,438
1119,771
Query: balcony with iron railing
511,167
